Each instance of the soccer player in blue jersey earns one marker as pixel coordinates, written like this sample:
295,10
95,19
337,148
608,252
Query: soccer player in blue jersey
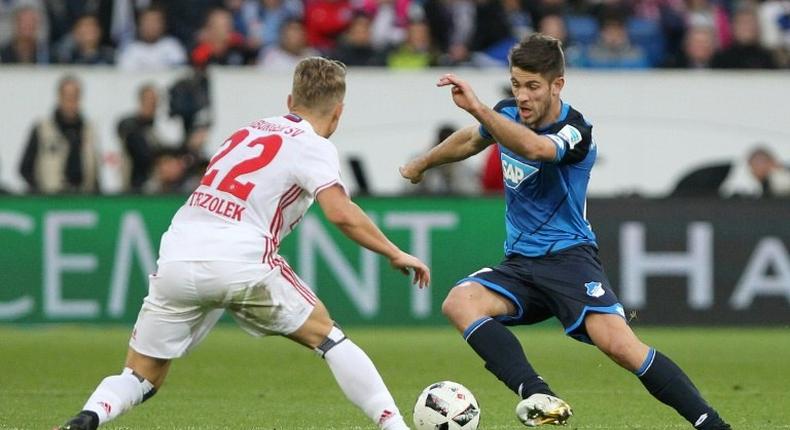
551,265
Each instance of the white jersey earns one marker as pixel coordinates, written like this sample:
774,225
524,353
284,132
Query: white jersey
257,188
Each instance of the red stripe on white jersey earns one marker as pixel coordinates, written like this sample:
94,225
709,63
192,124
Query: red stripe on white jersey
286,199
287,272
286,195
289,275
266,250
286,203
299,285
272,244
290,193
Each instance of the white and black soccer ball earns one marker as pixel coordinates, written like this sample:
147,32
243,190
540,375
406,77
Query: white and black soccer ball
446,405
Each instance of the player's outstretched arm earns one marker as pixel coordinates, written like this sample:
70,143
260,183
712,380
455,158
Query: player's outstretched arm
460,145
355,224
513,136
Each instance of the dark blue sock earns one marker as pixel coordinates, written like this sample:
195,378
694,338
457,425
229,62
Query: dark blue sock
667,383
504,357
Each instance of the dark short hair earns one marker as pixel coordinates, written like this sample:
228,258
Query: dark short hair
69,79
538,53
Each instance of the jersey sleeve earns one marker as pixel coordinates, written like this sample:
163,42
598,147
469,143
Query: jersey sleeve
319,168
573,142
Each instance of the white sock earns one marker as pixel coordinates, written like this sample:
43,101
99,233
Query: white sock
117,394
361,382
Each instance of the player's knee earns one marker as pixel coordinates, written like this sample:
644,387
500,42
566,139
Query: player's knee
620,350
457,303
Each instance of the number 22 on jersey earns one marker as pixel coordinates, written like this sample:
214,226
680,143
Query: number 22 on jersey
229,183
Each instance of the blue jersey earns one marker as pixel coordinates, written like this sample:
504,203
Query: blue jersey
546,201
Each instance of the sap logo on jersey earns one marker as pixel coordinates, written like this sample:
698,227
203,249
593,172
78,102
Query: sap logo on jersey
570,134
515,171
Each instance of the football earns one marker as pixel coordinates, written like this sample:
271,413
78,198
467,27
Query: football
446,405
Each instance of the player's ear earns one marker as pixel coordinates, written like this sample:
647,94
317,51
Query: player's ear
290,103
337,112
557,84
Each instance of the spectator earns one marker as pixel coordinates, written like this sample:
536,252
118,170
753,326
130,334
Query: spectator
518,18
699,47
153,49
193,150
8,10
185,18
774,178
291,49
451,24
324,21
448,179
169,173
235,8
705,13
613,49
27,45
554,25
63,15
670,15
491,179
355,47
390,20
83,45
775,26
540,8
493,37
263,19
415,52
219,43
139,140
61,154
189,99
761,174
745,51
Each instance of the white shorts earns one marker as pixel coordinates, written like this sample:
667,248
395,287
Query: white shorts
186,298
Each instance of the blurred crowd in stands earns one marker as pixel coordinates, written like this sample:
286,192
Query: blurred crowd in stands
147,35
274,34
62,155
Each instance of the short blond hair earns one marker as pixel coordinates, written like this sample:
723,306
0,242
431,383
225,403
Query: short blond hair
319,84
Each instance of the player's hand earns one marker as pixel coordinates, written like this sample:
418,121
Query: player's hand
407,264
412,172
463,95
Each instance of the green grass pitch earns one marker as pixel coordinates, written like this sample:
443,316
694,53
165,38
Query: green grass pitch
234,381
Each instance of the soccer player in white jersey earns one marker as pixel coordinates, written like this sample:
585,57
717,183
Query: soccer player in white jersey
221,253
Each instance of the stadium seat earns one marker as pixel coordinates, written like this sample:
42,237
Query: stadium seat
582,29
648,35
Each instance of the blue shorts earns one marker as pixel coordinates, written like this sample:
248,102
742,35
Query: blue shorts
567,285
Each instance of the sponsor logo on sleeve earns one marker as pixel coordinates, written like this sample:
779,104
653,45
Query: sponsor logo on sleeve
570,134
